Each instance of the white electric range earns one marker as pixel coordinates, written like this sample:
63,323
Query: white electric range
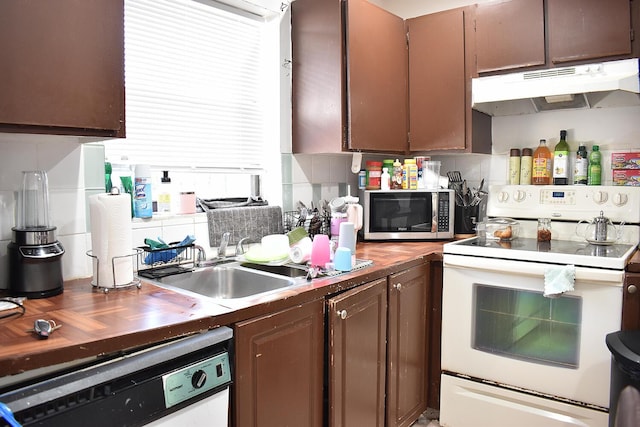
512,356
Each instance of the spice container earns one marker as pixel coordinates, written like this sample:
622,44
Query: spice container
374,173
544,230
514,166
526,162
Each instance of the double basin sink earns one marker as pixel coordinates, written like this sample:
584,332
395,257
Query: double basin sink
233,281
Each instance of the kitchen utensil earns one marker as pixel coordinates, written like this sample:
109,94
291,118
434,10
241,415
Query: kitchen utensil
599,231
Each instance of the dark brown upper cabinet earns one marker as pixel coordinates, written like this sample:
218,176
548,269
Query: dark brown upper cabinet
588,29
513,34
509,34
62,68
349,77
441,65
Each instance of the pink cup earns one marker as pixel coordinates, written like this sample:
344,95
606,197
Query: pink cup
320,250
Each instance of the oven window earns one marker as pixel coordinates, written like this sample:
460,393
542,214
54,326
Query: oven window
526,325
400,212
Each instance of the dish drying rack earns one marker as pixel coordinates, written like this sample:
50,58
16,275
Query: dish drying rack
314,222
175,259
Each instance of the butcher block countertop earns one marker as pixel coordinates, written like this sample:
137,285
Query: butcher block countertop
95,323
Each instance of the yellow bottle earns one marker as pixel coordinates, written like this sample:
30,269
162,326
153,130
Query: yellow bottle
542,163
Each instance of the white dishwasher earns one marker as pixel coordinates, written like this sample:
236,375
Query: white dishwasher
183,382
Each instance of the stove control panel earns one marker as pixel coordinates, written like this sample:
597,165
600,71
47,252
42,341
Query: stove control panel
567,202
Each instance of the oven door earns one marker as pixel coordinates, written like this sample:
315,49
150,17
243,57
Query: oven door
498,326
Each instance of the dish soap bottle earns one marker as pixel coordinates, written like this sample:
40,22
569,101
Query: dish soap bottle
541,174
164,197
561,161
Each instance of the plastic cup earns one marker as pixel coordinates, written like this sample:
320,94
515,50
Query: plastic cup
431,174
320,250
342,259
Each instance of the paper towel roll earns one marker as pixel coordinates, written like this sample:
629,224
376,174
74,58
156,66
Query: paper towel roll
301,251
110,239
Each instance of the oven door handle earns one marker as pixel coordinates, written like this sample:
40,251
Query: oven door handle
531,269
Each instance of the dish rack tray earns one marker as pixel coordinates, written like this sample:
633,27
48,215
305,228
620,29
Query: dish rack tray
314,223
176,259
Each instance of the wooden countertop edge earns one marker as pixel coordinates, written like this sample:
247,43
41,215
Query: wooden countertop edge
200,314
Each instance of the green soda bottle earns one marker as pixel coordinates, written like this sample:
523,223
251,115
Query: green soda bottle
595,170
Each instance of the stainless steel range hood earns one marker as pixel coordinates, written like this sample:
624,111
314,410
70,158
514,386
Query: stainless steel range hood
605,84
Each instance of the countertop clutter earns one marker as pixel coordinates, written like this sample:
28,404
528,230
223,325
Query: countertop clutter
95,324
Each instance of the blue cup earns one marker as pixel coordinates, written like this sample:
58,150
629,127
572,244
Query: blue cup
342,259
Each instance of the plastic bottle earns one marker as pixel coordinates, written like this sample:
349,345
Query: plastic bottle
107,177
561,161
164,196
595,170
385,180
525,166
514,166
396,176
410,175
142,201
581,167
541,170
362,179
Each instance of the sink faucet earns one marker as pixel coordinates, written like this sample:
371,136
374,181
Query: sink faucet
239,247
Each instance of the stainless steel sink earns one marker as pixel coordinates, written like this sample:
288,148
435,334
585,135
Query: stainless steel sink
233,281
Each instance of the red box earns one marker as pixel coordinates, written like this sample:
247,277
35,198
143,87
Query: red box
625,160
628,177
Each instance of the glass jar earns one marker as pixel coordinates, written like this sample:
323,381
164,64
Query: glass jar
544,230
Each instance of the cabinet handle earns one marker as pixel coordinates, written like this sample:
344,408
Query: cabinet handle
632,289
342,314
398,286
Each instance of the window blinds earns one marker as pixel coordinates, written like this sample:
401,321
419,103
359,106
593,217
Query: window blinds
193,78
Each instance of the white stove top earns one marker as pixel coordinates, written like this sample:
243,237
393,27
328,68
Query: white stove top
566,205
562,252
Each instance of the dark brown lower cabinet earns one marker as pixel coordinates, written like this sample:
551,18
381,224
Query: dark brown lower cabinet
357,332
631,302
407,345
279,360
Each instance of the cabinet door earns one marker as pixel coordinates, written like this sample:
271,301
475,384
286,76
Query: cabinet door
408,348
357,331
588,29
631,302
509,34
376,78
279,368
62,68
440,70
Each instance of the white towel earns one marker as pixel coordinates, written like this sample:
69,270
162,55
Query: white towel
558,280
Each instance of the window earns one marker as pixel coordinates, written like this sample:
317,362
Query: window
199,93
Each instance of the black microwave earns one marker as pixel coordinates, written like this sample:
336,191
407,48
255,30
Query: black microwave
407,214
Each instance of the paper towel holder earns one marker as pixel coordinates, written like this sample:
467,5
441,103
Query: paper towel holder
106,287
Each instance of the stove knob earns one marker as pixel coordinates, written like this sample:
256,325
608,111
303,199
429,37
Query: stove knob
519,195
503,196
620,199
600,197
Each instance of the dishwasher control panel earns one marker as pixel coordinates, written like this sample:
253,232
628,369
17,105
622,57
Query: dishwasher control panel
195,379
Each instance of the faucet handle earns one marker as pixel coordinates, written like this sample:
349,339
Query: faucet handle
239,247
